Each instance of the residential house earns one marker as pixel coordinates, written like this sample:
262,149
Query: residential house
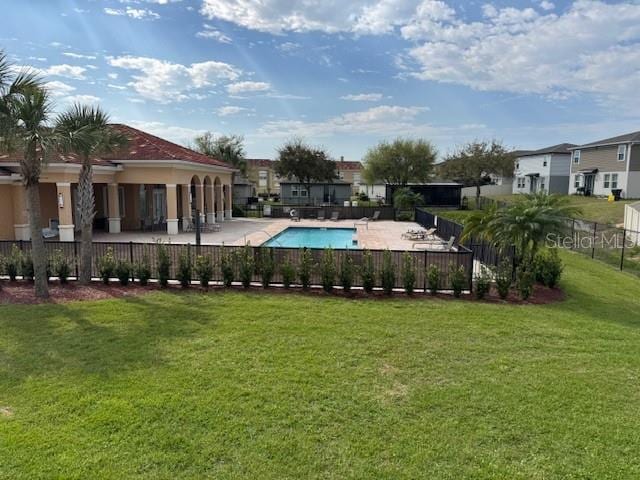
600,167
261,172
543,170
149,183
327,193
350,172
243,190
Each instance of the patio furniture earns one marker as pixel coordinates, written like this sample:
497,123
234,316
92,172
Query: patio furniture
419,234
435,245
211,227
376,216
188,225
147,224
295,216
321,216
334,216
52,231
158,223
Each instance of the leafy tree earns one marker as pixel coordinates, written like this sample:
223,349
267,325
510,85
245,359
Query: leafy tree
304,163
473,162
406,199
228,148
25,108
85,131
400,162
524,224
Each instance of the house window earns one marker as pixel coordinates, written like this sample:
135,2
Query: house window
614,180
341,175
295,192
299,191
356,179
576,156
622,153
576,181
545,163
521,182
303,192
542,185
262,178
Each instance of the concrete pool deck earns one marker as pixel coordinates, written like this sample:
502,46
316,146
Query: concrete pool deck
381,234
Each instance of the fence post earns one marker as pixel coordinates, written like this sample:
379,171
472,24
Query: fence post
425,272
197,228
593,246
131,261
624,240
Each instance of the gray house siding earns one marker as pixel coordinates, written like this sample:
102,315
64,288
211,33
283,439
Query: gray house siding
335,193
559,184
604,159
634,162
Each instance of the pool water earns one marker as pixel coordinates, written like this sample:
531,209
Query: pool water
298,237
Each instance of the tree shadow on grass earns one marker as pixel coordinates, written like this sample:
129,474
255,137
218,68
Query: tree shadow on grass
100,338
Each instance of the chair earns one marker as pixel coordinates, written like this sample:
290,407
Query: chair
321,216
335,216
419,234
187,225
376,216
446,246
158,223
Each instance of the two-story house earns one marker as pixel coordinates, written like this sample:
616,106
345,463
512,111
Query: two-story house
545,170
599,167
261,173
350,172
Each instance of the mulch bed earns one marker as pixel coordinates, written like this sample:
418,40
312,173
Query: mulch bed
21,292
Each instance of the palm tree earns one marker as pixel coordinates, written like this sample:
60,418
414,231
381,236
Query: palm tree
24,112
525,224
85,131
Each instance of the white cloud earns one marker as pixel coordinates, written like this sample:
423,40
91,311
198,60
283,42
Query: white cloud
210,32
167,82
363,97
135,13
77,55
112,76
181,135
592,48
64,70
547,5
59,89
231,110
84,99
330,16
289,47
248,87
381,120
116,87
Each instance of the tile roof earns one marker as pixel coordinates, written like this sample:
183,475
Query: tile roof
260,162
627,137
141,146
348,165
560,148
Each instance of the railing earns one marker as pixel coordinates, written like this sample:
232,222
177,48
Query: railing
344,213
136,252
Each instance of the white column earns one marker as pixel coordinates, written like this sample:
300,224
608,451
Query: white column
65,212
113,199
219,203
228,214
172,209
186,204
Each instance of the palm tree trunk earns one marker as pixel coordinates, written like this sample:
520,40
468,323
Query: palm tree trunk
38,252
86,201
478,193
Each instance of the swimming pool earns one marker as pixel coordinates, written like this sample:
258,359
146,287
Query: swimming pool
297,237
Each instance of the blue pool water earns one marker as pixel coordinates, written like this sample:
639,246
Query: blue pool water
297,237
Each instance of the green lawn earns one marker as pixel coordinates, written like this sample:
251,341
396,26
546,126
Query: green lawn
253,385
593,208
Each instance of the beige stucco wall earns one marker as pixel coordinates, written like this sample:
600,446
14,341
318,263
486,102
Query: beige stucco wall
6,212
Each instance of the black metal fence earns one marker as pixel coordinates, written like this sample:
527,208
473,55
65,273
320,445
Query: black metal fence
484,252
619,247
344,213
137,252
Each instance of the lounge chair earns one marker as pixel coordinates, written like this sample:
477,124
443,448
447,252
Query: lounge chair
376,216
321,216
420,234
335,216
436,245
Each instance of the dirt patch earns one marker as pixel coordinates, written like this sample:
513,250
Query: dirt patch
6,412
22,293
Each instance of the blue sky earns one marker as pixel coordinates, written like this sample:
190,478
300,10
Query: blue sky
343,75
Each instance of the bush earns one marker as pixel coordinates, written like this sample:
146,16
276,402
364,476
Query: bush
388,273
433,279
246,266
328,270
504,278
204,270
483,282
60,266
525,279
123,272
26,267
107,266
185,268
408,273
346,274
288,273
548,267
458,279
267,266
405,217
227,268
237,211
13,262
305,267
164,264
367,272
142,271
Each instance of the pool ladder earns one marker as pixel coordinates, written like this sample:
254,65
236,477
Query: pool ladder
269,237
